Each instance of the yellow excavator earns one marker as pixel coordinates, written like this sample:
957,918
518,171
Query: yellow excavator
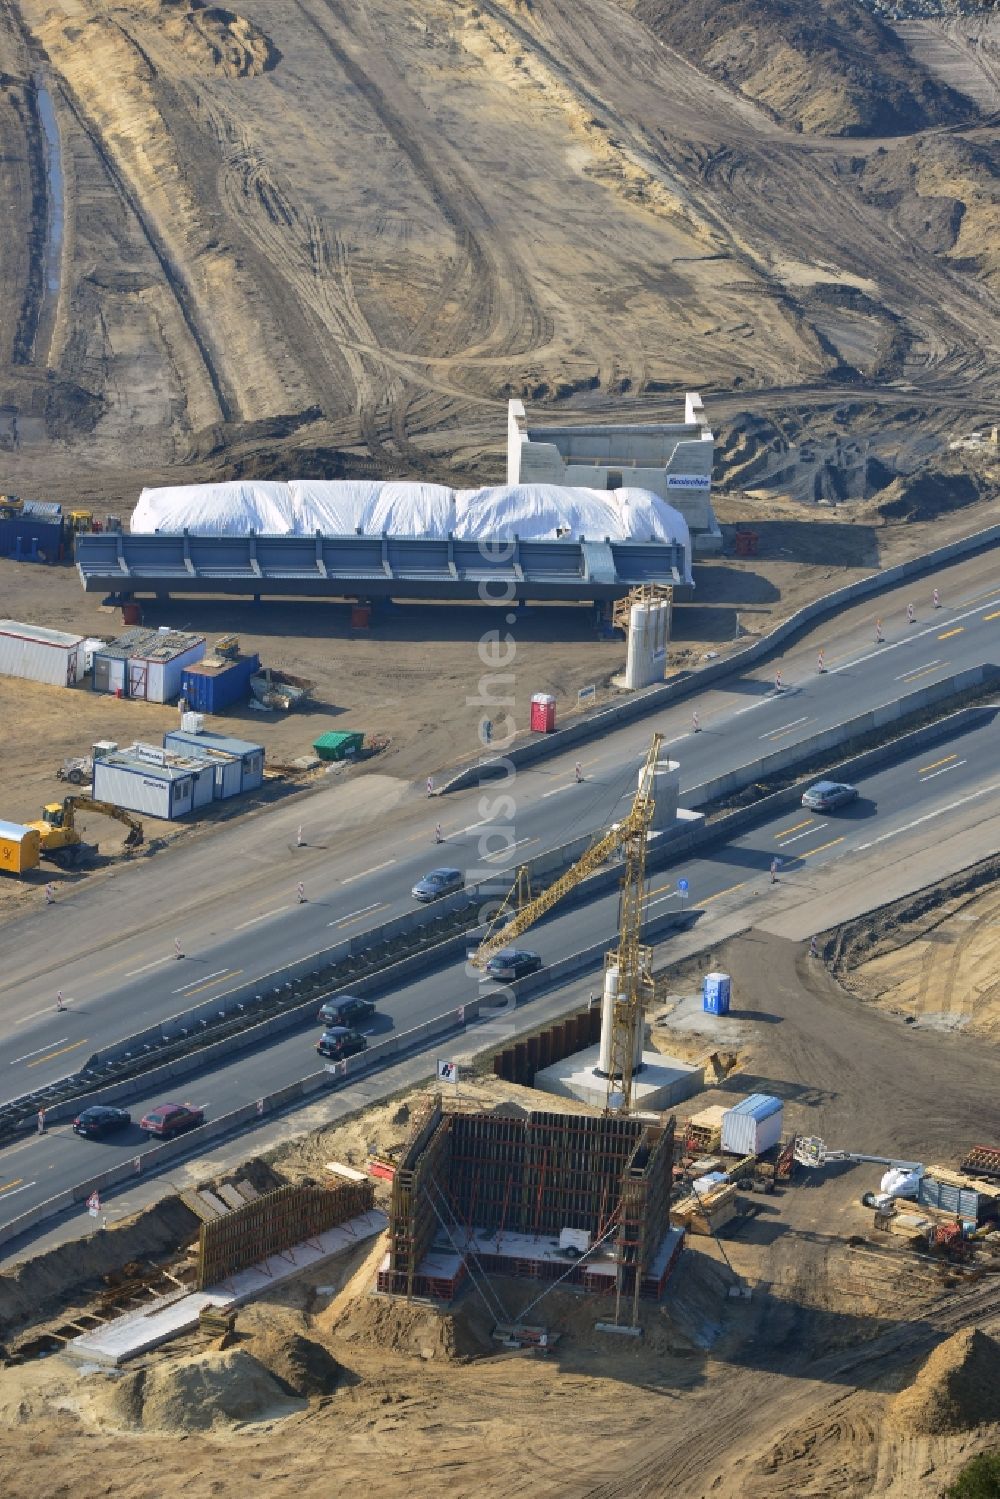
61,840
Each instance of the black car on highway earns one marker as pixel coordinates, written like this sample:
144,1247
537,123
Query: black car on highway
347,1010
512,963
101,1119
340,1041
827,796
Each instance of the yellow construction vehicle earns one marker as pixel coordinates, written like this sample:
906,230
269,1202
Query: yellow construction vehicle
11,506
631,959
59,837
81,521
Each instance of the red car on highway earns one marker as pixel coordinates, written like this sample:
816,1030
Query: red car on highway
171,1119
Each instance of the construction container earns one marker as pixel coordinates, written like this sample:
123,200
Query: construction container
237,764
753,1126
149,780
147,664
28,538
339,746
213,685
192,723
715,992
40,655
19,848
543,713
961,1202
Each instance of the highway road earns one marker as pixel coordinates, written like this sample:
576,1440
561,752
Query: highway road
926,790
230,899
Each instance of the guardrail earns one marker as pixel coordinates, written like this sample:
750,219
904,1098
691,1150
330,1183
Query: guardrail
652,699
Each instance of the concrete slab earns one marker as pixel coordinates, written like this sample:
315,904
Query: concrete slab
140,1331
663,1081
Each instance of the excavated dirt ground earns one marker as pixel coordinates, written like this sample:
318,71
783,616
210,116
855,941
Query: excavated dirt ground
855,1368
934,956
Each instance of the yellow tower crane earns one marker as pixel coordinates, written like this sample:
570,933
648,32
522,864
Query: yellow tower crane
631,958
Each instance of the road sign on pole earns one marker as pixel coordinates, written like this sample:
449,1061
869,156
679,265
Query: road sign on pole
447,1072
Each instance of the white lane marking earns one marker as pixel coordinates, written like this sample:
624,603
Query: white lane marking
47,1011
907,639
350,914
555,789
365,872
809,832
254,919
912,670
147,966
943,772
470,828
502,853
39,1049
929,816
793,725
203,978
757,703
14,1191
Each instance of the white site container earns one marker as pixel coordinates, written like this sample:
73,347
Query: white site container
167,789
156,676
753,1125
39,655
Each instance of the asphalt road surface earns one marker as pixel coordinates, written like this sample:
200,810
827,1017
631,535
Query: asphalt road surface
923,790
109,947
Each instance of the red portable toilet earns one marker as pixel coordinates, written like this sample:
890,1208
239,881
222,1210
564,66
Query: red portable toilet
543,713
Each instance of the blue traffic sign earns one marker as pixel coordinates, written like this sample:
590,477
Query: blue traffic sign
682,886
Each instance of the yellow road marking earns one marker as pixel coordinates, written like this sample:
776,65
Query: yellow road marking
15,1183
935,763
219,979
912,676
947,634
49,1055
794,828
809,852
720,893
995,615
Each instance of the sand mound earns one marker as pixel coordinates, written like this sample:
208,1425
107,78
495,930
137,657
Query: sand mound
957,1389
201,1392
276,1337
419,1331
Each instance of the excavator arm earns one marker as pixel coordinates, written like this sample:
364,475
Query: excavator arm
74,804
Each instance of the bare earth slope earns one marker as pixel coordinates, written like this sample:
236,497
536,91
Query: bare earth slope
828,66
251,240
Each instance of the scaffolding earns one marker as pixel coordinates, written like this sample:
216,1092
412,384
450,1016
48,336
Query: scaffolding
273,1224
514,1183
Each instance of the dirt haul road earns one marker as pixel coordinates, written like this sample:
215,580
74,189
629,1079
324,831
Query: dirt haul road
273,234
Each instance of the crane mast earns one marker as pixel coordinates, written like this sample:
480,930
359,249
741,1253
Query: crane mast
632,959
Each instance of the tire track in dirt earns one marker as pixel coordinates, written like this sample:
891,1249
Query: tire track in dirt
500,311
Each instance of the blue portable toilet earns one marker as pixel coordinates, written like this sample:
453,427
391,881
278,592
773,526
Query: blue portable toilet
715,993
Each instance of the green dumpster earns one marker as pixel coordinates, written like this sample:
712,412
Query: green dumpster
340,746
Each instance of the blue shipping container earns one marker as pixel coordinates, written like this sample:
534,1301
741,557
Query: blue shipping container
209,689
31,539
715,993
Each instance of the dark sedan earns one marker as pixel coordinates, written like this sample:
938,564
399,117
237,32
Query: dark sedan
100,1120
340,1042
347,1010
512,963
